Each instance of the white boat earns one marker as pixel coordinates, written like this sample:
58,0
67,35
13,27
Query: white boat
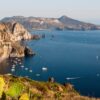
72,78
97,57
30,71
98,75
26,68
44,68
12,70
13,67
22,66
37,74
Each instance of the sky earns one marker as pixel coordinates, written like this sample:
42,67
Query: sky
84,10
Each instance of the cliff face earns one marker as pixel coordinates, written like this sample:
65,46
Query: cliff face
62,23
10,36
13,32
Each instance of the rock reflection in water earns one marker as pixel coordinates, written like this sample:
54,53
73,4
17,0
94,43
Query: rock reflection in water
4,67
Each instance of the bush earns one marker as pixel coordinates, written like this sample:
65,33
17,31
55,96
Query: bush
24,96
15,89
2,84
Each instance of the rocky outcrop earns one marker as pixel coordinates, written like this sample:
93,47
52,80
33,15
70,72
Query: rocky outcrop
11,35
28,51
62,23
20,32
13,32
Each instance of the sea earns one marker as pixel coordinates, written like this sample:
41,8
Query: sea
67,56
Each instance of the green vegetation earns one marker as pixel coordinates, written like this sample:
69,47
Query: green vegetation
15,89
2,84
24,96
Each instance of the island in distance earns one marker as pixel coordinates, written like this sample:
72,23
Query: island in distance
62,23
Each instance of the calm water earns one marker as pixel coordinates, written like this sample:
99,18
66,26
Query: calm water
69,54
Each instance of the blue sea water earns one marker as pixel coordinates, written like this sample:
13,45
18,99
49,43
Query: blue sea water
74,55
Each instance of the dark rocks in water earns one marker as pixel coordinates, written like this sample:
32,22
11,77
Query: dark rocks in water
52,36
35,37
43,35
28,52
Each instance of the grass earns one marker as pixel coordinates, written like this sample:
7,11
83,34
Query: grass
15,89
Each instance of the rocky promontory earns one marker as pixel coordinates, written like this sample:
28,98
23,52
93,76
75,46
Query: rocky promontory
11,35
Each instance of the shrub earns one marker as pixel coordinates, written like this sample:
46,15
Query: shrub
24,96
15,89
2,84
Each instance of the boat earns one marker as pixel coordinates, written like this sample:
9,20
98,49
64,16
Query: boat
30,71
97,57
44,68
26,68
72,78
12,69
37,74
22,66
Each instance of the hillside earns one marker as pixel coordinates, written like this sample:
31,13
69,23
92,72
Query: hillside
21,88
62,23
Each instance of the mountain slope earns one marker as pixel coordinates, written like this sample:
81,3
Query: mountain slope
62,23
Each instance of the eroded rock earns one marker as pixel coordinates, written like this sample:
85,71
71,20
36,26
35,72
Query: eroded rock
11,35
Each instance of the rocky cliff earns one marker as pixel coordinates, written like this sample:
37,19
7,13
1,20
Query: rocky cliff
62,23
11,35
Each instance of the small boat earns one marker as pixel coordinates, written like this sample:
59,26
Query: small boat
16,58
98,75
37,74
13,65
72,78
20,63
30,71
15,62
12,69
97,57
26,68
44,68
19,60
22,66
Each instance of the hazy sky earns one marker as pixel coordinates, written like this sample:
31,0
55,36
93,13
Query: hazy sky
86,10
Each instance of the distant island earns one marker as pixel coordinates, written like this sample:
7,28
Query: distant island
62,23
